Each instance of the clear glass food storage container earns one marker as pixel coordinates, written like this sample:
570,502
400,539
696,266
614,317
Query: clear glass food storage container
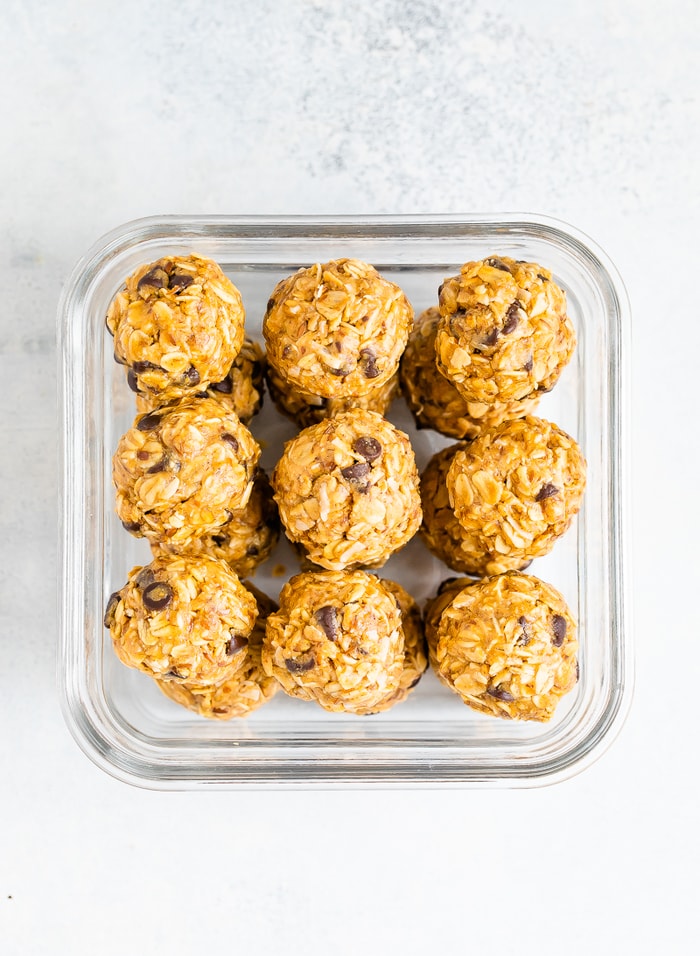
120,718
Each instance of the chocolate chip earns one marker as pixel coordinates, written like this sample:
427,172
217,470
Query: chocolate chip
179,281
148,422
174,672
118,359
191,376
270,303
527,367
132,380
143,455
114,599
157,596
414,682
161,465
252,551
558,629
156,278
578,672
546,491
525,637
368,448
219,540
131,526
300,665
512,318
543,278
141,367
286,351
338,372
440,288
225,386
496,263
230,440
524,567
327,620
368,363
500,693
145,577
356,472
236,644
492,337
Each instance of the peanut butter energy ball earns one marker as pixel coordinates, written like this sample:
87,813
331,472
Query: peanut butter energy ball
514,490
504,334
347,490
337,639
434,401
241,390
507,646
241,694
447,592
305,409
182,619
336,330
177,326
247,538
182,470
415,659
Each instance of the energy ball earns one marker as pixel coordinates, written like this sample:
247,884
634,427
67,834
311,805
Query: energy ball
415,659
447,592
336,330
241,694
514,490
507,646
181,471
347,490
182,619
241,390
305,409
433,399
337,639
504,334
177,326
247,538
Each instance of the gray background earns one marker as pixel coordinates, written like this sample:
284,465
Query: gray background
586,111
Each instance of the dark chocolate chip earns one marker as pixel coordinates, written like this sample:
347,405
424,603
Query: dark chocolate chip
141,367
145,577
368,363
525,637
114,599
327,620
368,448
157,596
230,440
512,318
546,491
174,672
338,372
191,376
118,359
286,351
132,380
131,526
219,540
496,263
356,472
414,682
440,288
500,693
543,278
252,551
179,281
271,303
527,367
148,422
155,278
161,465
300,665
492,337
225,386
558,629
236,644
143,455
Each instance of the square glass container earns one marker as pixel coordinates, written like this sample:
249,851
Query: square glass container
119,717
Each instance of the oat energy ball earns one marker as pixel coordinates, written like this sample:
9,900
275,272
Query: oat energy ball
447,592
305,409
347,490
181,471
247,538
336,329
433,399
514,490
337,639
504,335
415,659
241,390
177,326
182,619
241,694
507,646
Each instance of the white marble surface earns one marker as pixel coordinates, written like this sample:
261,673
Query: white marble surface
586,111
